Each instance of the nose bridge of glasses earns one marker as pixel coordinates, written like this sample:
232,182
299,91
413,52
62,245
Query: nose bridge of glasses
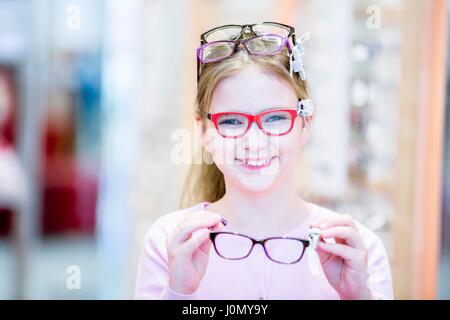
253,119
242,42
256,242
247,29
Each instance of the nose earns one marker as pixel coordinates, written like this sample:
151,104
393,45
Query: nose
255,139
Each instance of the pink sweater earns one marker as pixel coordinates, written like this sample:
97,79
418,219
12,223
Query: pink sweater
255,277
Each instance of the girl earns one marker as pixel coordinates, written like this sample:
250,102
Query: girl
253,107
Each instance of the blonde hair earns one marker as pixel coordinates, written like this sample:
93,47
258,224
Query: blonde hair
205,182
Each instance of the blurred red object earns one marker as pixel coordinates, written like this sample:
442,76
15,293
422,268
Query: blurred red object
69,198
8,95
69,194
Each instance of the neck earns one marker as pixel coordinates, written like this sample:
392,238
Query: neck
271,212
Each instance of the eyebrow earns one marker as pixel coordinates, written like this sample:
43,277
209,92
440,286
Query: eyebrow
267,109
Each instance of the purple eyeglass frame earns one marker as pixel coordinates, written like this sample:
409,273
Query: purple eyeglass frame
285,43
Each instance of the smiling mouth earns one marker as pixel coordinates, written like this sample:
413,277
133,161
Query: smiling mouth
255,164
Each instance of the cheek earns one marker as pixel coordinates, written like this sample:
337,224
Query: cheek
290,144
289,154
223,150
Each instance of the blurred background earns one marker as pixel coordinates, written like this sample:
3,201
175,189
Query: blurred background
91,93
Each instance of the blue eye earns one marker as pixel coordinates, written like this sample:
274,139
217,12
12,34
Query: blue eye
275,118
230,122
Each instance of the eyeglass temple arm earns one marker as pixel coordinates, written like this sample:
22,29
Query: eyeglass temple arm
198,68
209,117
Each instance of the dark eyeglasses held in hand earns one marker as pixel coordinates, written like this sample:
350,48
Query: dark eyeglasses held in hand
236,246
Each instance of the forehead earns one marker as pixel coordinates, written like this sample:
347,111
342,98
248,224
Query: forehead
252,90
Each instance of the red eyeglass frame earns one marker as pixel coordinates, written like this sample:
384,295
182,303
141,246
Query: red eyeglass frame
253,118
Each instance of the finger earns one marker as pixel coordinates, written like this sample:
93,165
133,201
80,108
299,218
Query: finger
195,242
205,246
353,257
217,227
348,234
336,220
205,214
201,214
186,228
184,231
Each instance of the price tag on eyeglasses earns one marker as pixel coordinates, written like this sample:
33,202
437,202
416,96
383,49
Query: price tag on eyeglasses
311,253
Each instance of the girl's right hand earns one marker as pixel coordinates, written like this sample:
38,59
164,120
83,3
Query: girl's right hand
188,253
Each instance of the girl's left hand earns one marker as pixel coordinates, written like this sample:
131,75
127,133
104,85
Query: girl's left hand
344,262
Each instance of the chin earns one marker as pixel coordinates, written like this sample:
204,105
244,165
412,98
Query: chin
256,186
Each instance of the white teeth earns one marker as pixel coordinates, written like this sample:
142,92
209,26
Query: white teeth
257,163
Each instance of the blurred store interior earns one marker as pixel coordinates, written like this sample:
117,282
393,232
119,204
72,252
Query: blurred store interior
91,91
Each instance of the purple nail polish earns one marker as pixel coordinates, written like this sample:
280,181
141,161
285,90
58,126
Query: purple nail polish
225,222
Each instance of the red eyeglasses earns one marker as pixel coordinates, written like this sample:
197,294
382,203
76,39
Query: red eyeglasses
275,122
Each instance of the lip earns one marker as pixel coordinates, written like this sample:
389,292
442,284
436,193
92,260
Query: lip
242,163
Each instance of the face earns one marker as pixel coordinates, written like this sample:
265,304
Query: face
255,161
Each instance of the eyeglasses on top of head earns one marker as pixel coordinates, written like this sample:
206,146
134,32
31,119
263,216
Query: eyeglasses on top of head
262,45
266,44
236,31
